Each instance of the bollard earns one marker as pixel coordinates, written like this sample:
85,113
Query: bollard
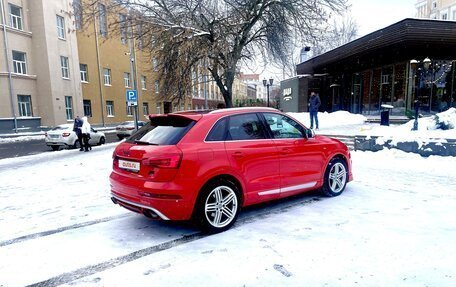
415,123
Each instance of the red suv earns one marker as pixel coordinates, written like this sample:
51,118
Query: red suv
205,166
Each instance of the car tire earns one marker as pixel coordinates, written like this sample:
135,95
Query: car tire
102,141
335,178
218,206
55,147
76,145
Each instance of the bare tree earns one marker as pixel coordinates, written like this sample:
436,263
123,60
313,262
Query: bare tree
226,33
342,31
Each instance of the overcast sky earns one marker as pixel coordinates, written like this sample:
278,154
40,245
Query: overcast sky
372,15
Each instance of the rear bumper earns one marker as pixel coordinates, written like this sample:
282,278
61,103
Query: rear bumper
168,200
56,143
136,207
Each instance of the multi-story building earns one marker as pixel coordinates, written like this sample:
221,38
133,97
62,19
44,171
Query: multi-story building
110,63
205,92
39,65
254,79
436,9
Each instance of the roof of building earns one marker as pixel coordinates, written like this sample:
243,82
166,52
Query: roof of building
404,40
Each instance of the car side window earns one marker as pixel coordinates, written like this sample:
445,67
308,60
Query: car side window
283,127
218,131
245,127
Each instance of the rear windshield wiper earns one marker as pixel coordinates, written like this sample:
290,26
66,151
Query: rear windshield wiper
144,143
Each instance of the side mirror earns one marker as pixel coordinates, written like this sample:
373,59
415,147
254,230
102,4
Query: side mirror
310,133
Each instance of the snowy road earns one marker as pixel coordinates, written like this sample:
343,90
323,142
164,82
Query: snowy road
394,226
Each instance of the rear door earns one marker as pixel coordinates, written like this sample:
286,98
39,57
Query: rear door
301,159
254,156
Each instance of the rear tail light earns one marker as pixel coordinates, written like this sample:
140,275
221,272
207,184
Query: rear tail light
164,161
66,135
130,128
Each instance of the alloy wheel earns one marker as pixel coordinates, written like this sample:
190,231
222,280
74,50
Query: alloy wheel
337,177
221,206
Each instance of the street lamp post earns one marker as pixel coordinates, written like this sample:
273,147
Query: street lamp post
414,66
267,84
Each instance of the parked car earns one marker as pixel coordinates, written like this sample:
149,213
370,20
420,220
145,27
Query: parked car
127,128
205,166
64,136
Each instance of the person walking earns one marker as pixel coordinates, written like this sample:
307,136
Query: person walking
314,104
77,129
85,129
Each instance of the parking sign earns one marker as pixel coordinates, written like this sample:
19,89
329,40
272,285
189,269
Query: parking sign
132,97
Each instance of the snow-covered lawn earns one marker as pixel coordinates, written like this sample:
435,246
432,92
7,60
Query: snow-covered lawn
393,226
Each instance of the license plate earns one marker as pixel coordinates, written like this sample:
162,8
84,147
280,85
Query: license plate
54,136
130,165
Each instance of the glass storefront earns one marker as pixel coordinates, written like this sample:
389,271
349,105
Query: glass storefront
433,85
400,84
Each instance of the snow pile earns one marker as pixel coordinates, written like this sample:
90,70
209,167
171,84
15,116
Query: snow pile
439,126
444,120
21,138
329,120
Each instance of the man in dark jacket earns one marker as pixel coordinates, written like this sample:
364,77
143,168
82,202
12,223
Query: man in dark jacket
77,129
314,104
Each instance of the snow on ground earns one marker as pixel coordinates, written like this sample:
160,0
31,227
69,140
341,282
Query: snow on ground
393,226
21,138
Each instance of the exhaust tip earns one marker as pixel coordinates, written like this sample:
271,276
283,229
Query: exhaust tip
114,200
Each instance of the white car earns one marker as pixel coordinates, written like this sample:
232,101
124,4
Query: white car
64,136
127,128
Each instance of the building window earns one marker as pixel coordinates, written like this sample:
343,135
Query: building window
19,63
157,87
444,16
77,7
123,28
143,83
158,108
155,64
127,80
107,76
61,27
84,73
110,108
145,109
182,107
130,110
69,107
15,16
25,105
102,19
65,67
434,4
454,15
189,107
87,108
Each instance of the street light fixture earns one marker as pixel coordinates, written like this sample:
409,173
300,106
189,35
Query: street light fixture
266,84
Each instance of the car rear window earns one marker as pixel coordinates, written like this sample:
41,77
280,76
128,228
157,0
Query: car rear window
59,128
162,131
